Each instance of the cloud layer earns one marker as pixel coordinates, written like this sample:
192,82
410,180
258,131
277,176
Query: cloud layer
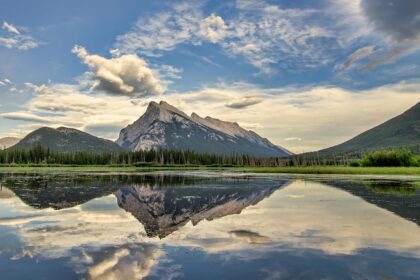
285,115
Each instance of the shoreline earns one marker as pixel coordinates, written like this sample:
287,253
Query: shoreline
337,170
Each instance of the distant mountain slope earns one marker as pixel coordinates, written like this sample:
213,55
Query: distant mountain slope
65,139
164,126
7,142
399,132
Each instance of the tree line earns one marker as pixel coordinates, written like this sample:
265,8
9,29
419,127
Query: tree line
41,155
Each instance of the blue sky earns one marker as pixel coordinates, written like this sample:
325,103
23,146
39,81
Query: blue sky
306,75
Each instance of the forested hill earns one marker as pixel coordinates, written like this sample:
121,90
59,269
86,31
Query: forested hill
65,139
403,131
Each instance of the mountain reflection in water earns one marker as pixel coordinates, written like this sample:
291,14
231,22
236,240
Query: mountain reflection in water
207,226
161,203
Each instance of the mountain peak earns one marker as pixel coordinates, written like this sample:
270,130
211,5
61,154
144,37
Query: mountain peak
68,130
165,126
194,116
163,106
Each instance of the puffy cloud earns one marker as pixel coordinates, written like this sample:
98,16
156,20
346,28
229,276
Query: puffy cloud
126,75
213,28
15,39
7,81
10,28
244,102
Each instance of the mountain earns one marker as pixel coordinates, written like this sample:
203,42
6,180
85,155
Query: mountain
7,142
164,126
65,139
403,131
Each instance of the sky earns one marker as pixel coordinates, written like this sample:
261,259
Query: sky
305,74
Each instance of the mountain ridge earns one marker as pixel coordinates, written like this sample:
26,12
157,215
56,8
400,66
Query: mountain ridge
165,126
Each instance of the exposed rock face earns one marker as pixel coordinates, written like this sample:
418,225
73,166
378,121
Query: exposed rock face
164,126
164,210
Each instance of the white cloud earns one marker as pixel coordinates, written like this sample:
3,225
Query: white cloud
10,28
14,39
166,72
213,28
263,34
161,32
7,81
126,75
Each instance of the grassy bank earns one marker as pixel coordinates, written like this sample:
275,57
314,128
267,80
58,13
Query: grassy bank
286,170
337,170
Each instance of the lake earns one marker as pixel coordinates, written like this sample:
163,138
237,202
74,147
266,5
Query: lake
198,225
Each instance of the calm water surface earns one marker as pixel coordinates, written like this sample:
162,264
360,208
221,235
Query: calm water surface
207,226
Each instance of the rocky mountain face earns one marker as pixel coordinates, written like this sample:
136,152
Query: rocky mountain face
164,126
8,142
65,139
165,210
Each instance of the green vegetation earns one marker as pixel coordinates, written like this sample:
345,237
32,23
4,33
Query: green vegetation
41,155
390,158
41,159
335,170
395,188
